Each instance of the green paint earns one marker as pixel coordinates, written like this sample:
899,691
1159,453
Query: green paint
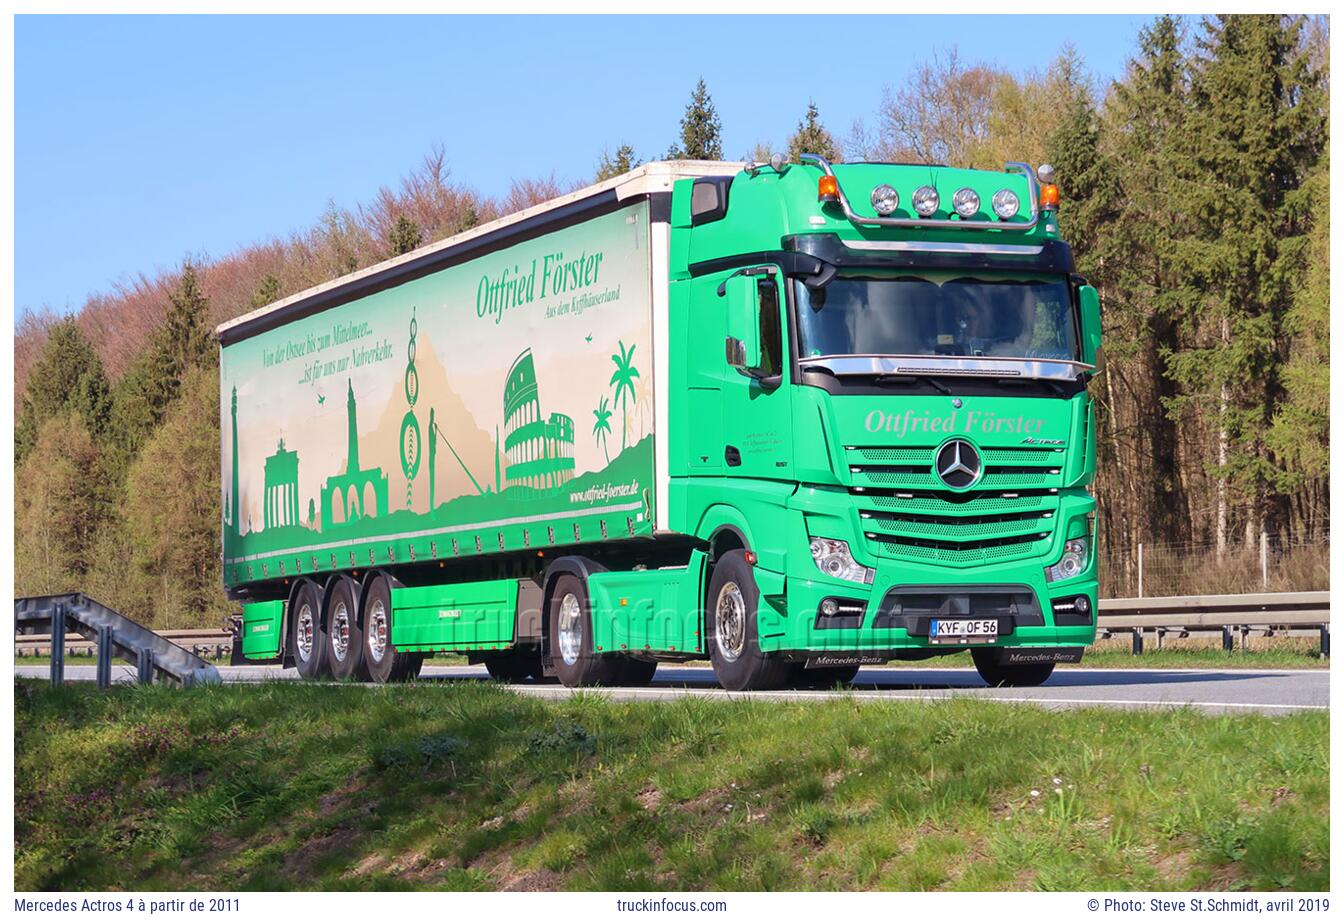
475,615
262,626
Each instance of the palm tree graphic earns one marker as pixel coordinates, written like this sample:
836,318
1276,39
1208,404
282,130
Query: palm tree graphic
603,426
624,381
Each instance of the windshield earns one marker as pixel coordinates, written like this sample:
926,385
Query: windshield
939,314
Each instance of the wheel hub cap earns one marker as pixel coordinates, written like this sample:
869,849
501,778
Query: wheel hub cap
377,631
571,629
303,633
340,631
730,622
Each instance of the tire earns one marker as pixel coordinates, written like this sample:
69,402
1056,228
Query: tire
307,641
571,637
996,674
407,666
823,678
345,643
634,672
379,662
515,666
730,629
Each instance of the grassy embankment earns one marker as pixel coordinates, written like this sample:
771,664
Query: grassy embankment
470,786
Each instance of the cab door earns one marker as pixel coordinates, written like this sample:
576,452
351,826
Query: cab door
757,422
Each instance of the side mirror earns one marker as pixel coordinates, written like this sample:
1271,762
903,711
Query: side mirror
743,345
1089,309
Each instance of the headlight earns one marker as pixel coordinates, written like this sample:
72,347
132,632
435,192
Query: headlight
1005,203
965,202
885,199
1072,563
833,558
925,200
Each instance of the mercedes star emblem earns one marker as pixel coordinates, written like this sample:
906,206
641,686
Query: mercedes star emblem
957,464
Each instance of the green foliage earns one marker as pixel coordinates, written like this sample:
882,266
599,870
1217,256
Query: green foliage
268,292
701,130
404,236
172,509
812,137
58,506
611,166
68,377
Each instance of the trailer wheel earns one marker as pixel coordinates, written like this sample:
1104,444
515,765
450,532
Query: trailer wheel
996,674
571,637
730,629
307,642
635,672
379,661
407,666
517,665
345,642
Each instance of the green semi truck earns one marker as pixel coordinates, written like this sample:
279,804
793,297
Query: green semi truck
791,418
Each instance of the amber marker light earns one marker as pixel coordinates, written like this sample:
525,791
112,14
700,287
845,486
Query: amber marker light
1050,196
828,189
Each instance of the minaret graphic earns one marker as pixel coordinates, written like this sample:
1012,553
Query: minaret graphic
233,496
352,450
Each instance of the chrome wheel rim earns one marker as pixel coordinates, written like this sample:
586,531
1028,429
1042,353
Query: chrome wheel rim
340,631
303,633
730,622
376,628
571,628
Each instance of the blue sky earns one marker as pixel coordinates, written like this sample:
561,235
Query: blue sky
141,139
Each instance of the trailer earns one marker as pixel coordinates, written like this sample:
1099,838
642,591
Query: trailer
700,410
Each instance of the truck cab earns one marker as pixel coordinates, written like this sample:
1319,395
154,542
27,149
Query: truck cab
880,422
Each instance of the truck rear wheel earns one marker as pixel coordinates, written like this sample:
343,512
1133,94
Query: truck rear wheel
635,672
407,666
307,643
517,665
571,637
345,642
988,661
380,661
730,626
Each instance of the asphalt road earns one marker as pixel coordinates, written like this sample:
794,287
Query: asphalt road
1271,692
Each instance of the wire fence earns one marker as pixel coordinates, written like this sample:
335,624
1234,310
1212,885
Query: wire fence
1276,562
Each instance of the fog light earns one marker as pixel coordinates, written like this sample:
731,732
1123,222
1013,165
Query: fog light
1081,604
829,607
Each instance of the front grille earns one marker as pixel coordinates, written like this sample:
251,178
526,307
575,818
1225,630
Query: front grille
907,512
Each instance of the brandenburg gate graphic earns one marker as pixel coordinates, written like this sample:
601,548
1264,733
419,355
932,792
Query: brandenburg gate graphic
282,488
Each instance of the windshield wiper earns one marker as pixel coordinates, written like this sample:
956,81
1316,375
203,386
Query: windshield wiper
1019,381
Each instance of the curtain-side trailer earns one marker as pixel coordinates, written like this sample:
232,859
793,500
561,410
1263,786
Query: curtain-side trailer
696,411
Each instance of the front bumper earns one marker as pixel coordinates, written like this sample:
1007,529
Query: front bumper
890,617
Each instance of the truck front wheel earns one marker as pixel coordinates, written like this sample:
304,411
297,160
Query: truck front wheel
730,624
571,637
307,643
988,661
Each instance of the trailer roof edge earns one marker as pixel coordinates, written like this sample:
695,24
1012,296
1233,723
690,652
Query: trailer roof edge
644,181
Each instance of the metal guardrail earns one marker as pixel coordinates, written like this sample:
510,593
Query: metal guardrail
114,636
1235,616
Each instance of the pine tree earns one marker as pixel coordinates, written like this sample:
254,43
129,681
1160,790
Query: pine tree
1255,130
186,340
609,167
68,377
268,292
701,131
812,137
404,236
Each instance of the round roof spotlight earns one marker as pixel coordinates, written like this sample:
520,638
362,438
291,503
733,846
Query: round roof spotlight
925,200
1005,203
1046,173
885,200
965,202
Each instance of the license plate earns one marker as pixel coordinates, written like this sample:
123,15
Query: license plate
963,630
